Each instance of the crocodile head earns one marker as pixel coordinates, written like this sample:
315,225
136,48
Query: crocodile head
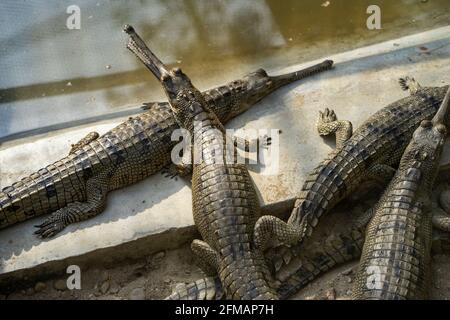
185,100
259,84
428,139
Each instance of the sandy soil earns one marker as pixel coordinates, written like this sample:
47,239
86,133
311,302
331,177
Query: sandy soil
154,278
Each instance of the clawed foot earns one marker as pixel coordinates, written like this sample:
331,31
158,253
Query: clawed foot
170,171
50,227
327,122
173,171
327,116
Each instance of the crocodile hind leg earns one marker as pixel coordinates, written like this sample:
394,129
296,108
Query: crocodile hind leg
91,136
269,228
96,191
327,123
208,258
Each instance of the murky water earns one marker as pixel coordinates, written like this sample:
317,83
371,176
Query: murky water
51,75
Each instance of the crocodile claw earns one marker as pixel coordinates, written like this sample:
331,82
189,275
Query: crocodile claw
170,172
327,115
49,228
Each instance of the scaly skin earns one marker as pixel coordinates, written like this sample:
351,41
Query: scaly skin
75,187
369,154
225,203
295,268
396,255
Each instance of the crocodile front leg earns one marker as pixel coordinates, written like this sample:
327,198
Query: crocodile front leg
96,191
327,123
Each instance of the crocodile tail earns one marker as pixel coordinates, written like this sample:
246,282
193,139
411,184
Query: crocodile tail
306,264
208,288
42,192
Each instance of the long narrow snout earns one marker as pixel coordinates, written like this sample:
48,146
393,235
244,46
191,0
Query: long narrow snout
139,48
281,80
442,114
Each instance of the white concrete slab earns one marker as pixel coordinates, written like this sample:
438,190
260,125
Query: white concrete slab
156,213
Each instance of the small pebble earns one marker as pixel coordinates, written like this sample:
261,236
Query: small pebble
137,294
104,287
330,294
167,281
347,272
159,255
139,272
108,66
104,276
40,286
60,285
114,288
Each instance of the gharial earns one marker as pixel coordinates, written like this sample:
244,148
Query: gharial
75,187
224,199
371,153
292,268
295,267
395,261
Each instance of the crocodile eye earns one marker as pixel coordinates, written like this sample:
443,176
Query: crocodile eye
176,70
441,128
165,77
426,124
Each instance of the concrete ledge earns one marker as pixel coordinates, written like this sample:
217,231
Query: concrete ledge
156,213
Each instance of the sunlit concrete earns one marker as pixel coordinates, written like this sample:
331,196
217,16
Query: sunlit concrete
156,213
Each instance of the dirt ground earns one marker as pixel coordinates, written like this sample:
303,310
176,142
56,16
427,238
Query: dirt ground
154,277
